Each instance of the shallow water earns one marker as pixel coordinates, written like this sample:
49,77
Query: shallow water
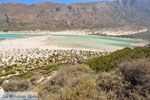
90,42
13,36
79,41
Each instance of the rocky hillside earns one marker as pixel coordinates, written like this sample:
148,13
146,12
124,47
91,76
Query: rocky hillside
54,16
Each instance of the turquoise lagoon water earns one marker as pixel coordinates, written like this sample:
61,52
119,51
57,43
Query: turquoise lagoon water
83,42
13,36
90,42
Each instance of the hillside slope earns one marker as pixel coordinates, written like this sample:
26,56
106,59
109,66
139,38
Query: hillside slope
54,16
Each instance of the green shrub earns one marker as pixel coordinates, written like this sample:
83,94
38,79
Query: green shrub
6,30
1,81
107,63
53,68
25,75
50,68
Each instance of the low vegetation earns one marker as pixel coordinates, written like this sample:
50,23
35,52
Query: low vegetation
122,75
107,63
16,85
137,74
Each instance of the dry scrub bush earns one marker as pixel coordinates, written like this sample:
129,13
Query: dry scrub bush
16,85
109,84
72,83
130,81
70,76
79,82
137,73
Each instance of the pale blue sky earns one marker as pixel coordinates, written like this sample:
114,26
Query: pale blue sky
59,1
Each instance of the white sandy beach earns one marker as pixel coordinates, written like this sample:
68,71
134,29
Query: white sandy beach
12,51
40,42
111,32
66,32
26,43
33,43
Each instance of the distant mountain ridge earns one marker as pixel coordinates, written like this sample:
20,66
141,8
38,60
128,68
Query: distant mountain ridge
55,16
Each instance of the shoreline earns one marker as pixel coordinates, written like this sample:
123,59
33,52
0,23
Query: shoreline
13,51
66,32
34,43
107,32
42,43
